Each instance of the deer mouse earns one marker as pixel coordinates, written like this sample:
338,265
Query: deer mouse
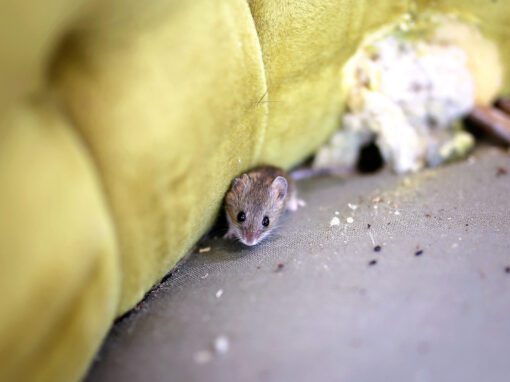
255,202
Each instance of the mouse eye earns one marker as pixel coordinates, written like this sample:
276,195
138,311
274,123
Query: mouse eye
241,217
265,221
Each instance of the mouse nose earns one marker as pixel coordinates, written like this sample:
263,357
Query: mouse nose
250,237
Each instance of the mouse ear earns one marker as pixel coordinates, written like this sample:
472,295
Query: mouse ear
239,184
279,187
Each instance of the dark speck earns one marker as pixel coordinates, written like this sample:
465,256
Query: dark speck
507,269
368,226
419,252
377,248
279,267
372,262
500,171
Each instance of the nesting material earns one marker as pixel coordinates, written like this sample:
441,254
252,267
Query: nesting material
406,95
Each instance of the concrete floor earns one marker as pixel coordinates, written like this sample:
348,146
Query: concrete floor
307,304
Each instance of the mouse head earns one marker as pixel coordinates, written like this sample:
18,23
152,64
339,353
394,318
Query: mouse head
253,207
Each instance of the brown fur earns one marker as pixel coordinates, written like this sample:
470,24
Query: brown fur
258,193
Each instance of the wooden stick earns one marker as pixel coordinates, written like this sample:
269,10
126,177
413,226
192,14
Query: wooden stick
492,120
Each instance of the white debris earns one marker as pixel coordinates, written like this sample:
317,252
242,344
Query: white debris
350,220
396,212
353,207
337,213
202,356
204,276
406,95
204,250
219,293
371,238
334,222
221,344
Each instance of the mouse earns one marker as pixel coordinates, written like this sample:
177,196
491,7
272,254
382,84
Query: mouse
255,202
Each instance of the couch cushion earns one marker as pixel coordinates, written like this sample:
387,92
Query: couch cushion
166,97
58,257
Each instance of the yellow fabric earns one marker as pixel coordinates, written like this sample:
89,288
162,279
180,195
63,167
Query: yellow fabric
58,255
122,128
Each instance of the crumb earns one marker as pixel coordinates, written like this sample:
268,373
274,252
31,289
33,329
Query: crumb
335,221
428,215
337,213
500,171
204,276
467,225
258,266
372,262
507,269
219,293
353,207
368,226
221,344
419,252
350,220
279,267
204,250
377,248
396,213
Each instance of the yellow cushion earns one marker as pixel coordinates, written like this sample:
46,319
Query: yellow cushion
58,256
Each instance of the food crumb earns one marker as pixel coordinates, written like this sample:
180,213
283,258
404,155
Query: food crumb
419,252
204,250
377,248
372,262
279,267
221,344
350,220
396,212
204,276
368,226
335,221
219,293
353,207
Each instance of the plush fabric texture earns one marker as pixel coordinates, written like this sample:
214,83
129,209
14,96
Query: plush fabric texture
122,125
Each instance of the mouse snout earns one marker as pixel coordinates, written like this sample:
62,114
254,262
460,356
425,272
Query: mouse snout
250,237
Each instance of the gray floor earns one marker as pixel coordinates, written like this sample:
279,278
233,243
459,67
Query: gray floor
325,313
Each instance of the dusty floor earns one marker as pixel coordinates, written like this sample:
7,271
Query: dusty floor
317,302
